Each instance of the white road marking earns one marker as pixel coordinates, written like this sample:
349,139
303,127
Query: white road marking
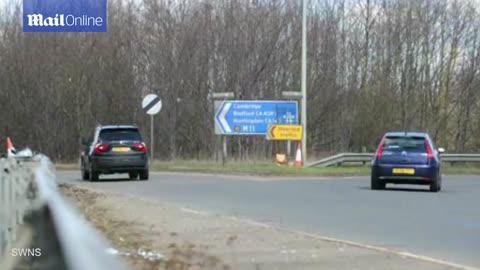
195,212
356,244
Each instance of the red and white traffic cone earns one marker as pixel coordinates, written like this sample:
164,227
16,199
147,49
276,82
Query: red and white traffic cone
298,156
10,149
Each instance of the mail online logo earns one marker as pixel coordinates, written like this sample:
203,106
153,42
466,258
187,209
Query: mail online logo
64,15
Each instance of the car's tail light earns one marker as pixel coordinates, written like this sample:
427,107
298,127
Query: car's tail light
379,152
429,150
101,147
140,147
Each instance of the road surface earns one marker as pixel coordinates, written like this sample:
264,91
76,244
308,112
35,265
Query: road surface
443,225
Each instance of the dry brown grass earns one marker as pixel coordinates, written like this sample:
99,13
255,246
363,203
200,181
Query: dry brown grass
128,239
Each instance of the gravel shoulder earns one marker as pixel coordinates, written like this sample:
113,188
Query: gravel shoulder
154,235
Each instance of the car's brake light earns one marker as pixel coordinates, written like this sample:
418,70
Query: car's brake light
429,150
101,147
140,147
379,152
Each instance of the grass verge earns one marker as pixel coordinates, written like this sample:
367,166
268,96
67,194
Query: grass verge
262,168
268,168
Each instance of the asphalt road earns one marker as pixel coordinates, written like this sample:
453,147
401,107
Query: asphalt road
443,225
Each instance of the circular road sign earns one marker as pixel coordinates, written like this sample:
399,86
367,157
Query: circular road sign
152,104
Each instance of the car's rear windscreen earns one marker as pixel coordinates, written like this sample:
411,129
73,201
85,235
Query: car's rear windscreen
120,134
409,144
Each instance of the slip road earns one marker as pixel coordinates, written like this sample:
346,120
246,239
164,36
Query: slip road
443,225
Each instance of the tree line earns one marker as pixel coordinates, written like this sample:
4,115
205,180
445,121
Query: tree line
373,66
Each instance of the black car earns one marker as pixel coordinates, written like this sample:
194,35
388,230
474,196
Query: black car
114,149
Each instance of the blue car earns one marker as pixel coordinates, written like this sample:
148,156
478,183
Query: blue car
407,158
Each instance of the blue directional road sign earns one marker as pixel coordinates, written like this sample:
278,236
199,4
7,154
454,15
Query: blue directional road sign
252,117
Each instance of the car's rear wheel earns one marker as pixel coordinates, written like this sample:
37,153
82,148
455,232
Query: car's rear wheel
85,174
436,185
144,175
93,174
440,183
133,175
376,183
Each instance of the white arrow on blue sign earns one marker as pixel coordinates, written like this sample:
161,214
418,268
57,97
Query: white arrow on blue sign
253,117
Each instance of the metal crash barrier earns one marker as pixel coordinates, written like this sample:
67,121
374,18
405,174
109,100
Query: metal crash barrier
38,228
367,157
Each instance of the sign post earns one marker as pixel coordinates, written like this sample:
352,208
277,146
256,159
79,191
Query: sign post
293,95
217,98
152,143
303,74
152,105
